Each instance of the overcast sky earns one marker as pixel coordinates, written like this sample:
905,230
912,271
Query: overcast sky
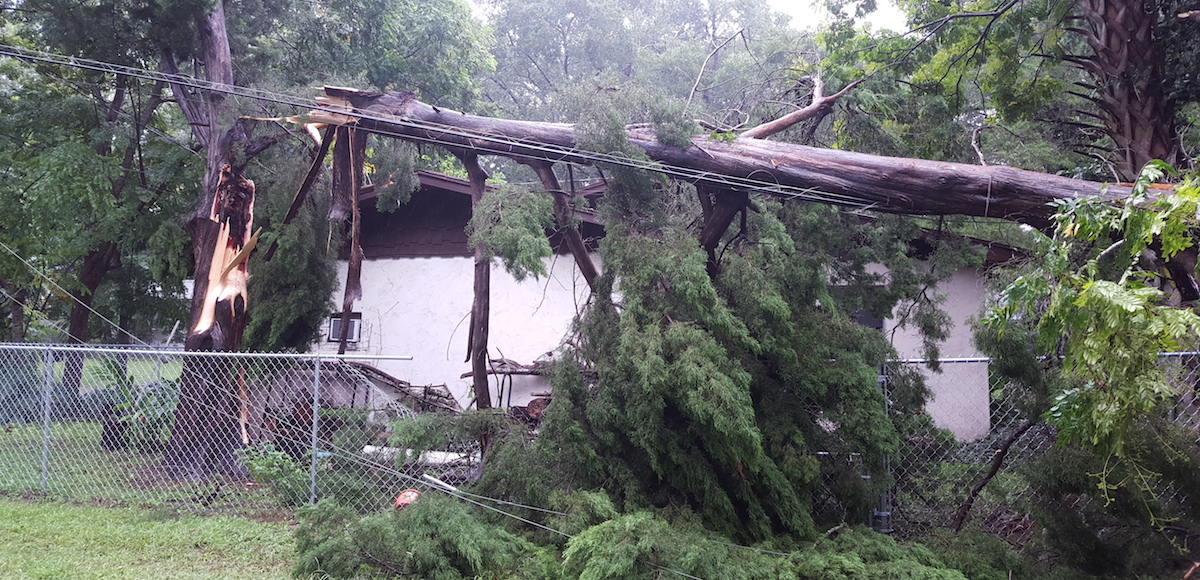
807,14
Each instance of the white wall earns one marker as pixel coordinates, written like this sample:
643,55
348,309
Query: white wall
421,306
960,393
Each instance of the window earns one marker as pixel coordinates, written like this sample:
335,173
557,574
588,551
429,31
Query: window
335,327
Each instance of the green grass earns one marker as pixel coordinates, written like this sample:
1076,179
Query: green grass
80,470
41,540
140,370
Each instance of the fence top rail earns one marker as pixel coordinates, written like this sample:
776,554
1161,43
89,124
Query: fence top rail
912,361
984,359
174,351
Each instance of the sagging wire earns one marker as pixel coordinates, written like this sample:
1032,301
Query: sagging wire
808,194
75,298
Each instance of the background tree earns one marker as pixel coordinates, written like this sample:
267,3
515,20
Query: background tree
95,172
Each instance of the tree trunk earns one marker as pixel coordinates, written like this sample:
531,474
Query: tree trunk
1127,65
15,298
206,433
96,266
481,306
888,184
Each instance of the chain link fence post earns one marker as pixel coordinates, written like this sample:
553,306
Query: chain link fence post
47,401
316,403
881,516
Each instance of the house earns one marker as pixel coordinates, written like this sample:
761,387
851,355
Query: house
960,393
417,282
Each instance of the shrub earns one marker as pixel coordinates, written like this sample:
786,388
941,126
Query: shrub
276,470
434,538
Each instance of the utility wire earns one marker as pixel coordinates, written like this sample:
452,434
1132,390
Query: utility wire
72,295
769,187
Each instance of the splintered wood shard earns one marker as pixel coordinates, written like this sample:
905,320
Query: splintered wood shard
222,315
349,153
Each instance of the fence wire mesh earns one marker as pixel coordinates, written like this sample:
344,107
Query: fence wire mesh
974,419
96,425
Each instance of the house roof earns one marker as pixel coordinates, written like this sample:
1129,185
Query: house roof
433,223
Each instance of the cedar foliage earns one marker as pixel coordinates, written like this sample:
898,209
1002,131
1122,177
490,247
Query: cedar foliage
717,394
290,293
689,410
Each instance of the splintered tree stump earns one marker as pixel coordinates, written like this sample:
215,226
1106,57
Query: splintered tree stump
207,429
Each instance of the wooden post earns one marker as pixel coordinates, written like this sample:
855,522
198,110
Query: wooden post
481,307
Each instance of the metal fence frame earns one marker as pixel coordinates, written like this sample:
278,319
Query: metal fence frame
66,431
50,448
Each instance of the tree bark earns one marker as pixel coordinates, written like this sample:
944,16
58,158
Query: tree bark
720,209
888,184
562,221
481,306
349,153
206,433
95,268
1127,64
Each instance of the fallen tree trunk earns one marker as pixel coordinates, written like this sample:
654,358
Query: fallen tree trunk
887,184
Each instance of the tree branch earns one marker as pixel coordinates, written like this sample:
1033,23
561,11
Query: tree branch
819,107
961,518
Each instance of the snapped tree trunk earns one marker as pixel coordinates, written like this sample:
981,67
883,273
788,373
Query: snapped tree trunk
887,184
207,427
207,430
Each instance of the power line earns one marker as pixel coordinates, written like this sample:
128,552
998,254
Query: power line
773,188
72,295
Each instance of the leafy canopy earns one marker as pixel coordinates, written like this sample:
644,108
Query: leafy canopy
1106,311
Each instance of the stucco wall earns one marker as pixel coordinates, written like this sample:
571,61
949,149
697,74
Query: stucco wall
960,392
420,307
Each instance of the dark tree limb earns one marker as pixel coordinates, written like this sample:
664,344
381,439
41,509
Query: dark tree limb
960,518
724,206
320,153
349,165
562,220
481,307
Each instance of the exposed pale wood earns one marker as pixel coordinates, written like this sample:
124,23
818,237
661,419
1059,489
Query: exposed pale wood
820,106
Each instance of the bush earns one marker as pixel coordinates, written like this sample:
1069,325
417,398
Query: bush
278,471
434,538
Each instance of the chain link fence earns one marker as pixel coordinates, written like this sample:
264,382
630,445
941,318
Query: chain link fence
972,424
96,425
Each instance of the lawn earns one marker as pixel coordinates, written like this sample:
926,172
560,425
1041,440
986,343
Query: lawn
46,540
78,469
